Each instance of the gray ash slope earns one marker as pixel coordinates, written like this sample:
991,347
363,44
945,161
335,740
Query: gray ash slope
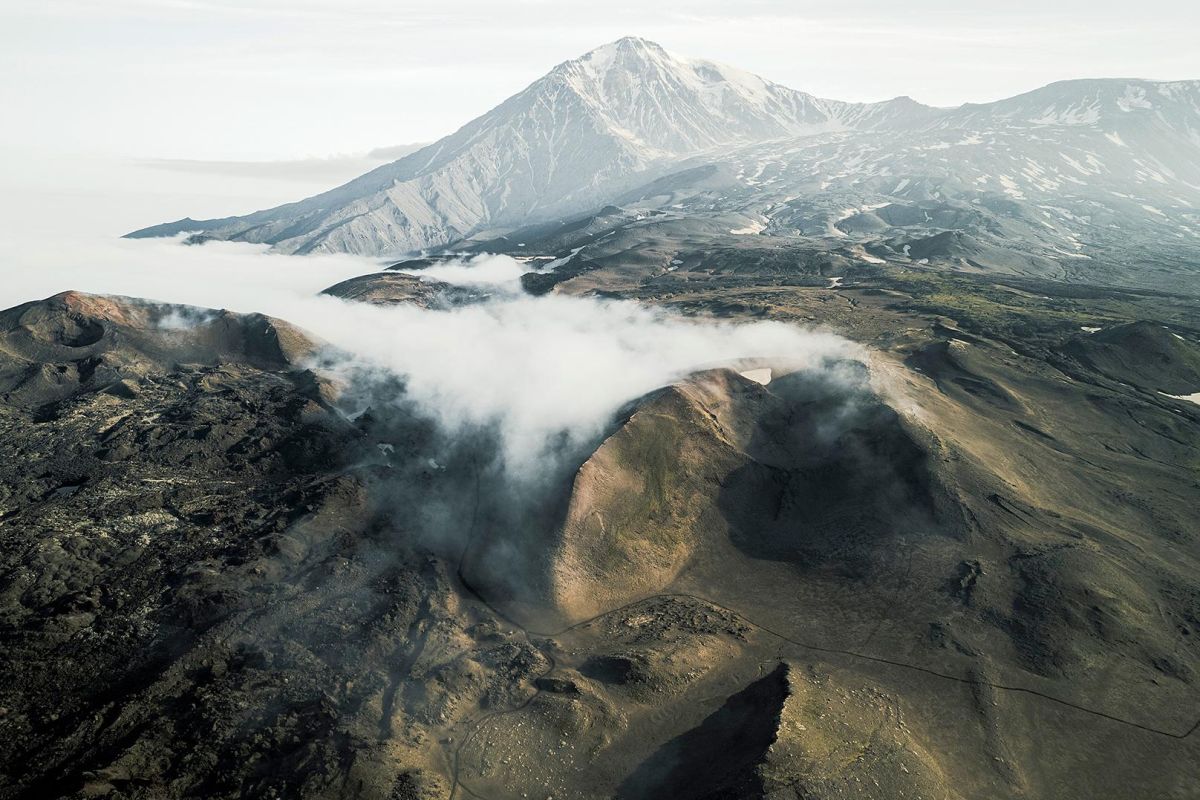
1082,180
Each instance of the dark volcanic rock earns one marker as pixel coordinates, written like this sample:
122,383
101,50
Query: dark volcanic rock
200,596
74,342
151,479
389,288
215,584
1142,354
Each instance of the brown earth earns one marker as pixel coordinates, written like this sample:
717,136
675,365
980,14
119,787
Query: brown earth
965,569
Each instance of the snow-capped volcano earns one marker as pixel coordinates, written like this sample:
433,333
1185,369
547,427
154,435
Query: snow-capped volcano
597,127
591,127
664,105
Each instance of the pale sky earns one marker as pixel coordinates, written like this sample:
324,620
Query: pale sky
287,79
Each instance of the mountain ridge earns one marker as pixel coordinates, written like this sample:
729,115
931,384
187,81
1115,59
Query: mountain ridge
630,112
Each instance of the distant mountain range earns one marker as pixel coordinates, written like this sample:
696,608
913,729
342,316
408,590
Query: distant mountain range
1083,170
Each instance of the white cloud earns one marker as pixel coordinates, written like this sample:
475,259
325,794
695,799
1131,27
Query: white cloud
534,366
328,170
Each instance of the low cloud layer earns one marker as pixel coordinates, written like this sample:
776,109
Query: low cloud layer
333,170
473,418
534,367
548,364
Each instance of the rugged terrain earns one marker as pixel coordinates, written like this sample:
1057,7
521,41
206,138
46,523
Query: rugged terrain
964,568
964,563
1086,181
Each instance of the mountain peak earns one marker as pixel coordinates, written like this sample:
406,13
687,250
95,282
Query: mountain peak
633,42
627,54
622,114
664,104
626,44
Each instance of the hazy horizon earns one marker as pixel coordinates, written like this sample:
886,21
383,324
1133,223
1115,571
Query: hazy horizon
260,81
206,108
